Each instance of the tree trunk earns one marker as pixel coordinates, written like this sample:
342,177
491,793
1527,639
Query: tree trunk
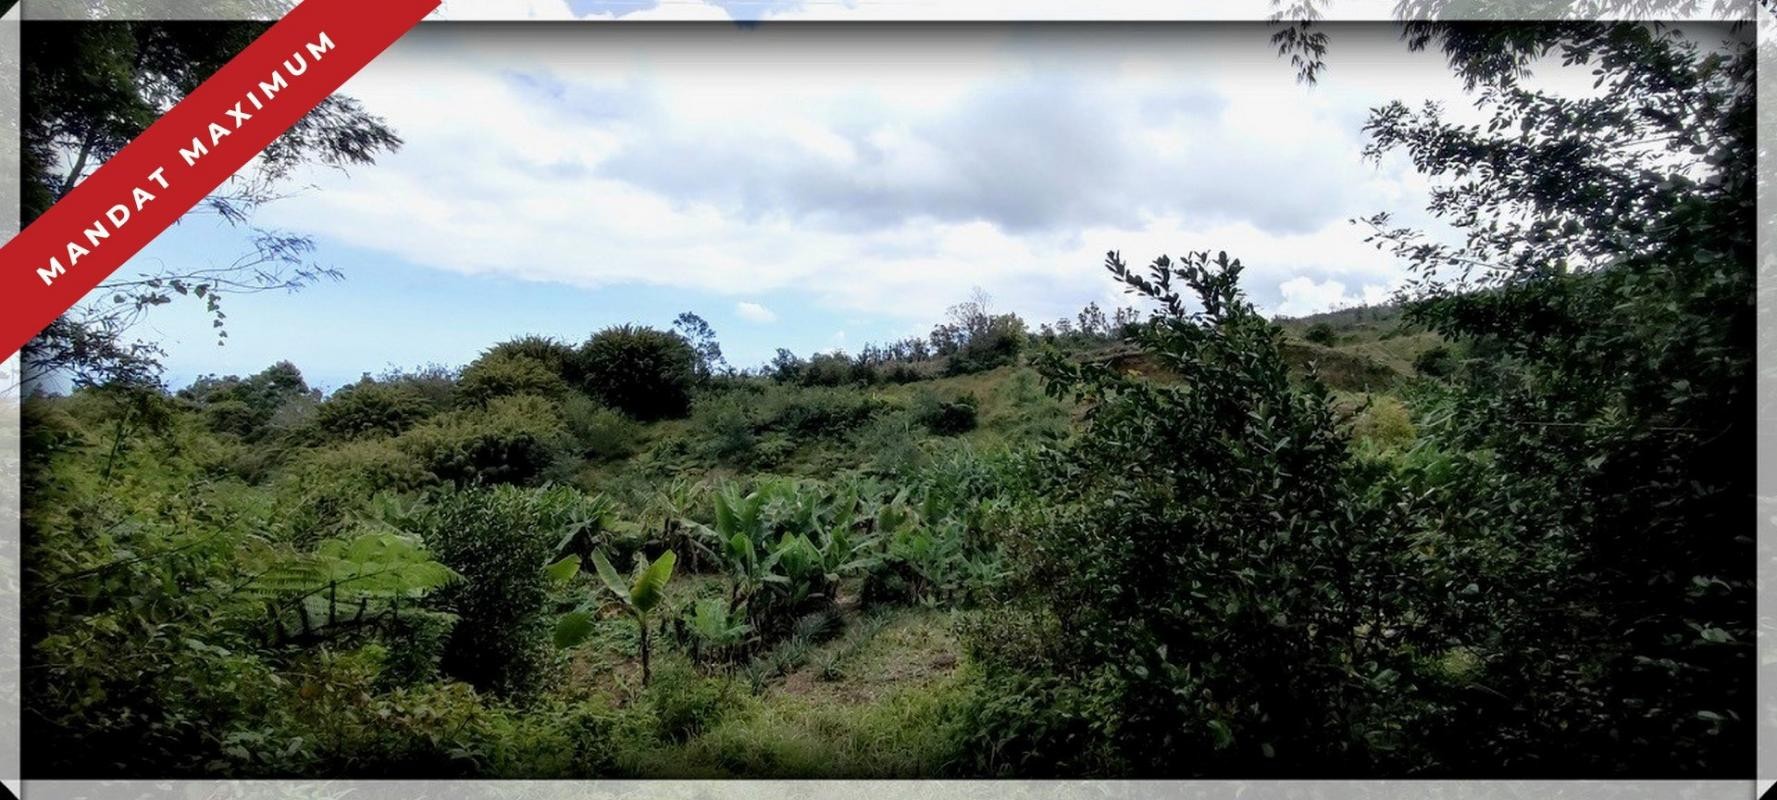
647,675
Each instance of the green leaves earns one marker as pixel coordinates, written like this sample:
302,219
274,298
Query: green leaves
644,593
608,574
573,628
564,570
370,565
650,586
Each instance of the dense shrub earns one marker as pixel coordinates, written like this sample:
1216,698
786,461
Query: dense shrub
947,417
686,703
501,375
827,369
996,344
820,411
890,444
513,440
244,406
643,372
555,355
370,408
1220,652
434,385
326,488
345,720
1027,413
233,416
1617,418
1437,362
600,432
906,371
1322,334
728,427
368,466
498,539
733,424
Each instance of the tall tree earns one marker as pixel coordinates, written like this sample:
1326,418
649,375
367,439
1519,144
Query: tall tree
1608,255
697,331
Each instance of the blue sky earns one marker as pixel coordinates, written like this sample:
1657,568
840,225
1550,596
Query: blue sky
808,187
390,313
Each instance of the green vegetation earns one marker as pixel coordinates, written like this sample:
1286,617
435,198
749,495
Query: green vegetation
1486,531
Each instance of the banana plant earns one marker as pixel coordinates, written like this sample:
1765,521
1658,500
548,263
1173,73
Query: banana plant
584,527
742,532
640,595
676,502
714,628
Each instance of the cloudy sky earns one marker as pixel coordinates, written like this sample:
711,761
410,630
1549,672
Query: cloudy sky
812,186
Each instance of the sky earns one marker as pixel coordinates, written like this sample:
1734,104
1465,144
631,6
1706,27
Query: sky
810,186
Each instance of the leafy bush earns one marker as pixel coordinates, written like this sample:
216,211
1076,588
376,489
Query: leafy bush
1618,315
890,445
1322,334
369,408
827,369
233,416
1218,651
643,372
513,440
1028,414
996,344
729,427
1437,362
600,432
502,375
947,417
555,355
820,412
434,385
686,704
498,539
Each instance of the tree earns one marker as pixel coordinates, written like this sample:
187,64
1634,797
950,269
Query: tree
244,406
1093,322
1204,579
643,372
785,367
500,375
555,354
91,88
703,340
1607,258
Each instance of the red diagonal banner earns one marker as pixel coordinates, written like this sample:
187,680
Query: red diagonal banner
187,153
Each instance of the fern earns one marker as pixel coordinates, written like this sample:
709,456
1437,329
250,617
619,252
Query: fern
346,583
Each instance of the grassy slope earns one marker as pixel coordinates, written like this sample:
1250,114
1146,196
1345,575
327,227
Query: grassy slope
864,700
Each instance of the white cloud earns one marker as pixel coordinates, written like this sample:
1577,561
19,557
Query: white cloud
877,173
1305,295
754,312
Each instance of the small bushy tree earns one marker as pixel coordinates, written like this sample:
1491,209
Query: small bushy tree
500,375
643,372
513,440
498,539
554,354
371,408
1322,334
1210,584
